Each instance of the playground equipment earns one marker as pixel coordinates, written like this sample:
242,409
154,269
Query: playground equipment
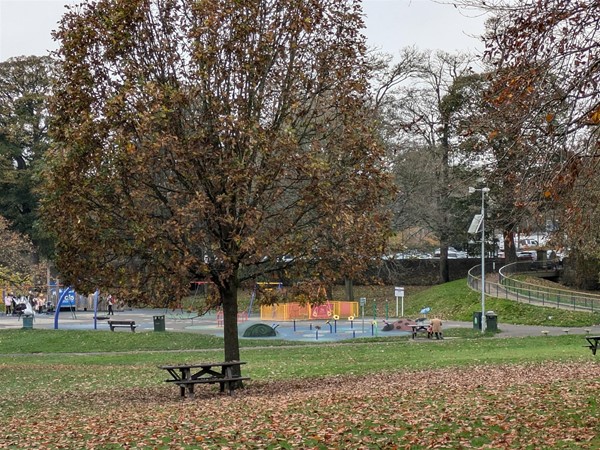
66,296
197,301
260,330
297,311
241,317
201,294
264,286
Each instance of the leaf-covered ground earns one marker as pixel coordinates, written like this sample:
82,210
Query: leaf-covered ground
550,405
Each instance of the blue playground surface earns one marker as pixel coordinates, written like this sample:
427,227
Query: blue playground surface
298,330
306,330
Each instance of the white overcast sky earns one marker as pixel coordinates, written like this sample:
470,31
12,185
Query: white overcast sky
25,26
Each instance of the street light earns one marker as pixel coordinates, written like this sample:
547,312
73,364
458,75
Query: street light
483,191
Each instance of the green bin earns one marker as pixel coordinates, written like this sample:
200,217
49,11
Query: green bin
491,321
28,322
477,320
159,323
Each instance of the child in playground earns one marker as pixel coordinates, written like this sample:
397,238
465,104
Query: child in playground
8,304
39,303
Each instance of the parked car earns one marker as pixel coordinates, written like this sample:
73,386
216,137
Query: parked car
528,243
452,253
527,255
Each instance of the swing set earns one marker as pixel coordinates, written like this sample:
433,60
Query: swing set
192,310
263,286
259,286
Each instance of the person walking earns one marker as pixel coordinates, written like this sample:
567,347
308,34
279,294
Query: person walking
110,301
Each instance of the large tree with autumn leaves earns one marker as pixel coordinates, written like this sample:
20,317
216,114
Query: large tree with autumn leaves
546,55
208,139
17,270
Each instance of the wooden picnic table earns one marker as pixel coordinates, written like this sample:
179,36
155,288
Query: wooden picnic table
593,343
420,327
186,376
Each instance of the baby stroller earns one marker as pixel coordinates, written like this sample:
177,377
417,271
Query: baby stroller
19,309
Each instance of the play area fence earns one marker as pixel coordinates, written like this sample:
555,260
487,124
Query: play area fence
297,311
241,317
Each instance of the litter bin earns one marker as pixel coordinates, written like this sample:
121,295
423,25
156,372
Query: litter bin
491,321
28,322
477,320
159,323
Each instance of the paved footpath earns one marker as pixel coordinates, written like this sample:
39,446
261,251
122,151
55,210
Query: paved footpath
509,330
299,330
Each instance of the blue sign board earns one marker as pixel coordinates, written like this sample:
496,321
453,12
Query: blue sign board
68,299
66,293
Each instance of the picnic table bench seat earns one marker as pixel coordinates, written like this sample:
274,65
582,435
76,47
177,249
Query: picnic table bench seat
224,383
209,373
593,342
122,323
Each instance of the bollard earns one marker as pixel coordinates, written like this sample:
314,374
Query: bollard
294,324
317,335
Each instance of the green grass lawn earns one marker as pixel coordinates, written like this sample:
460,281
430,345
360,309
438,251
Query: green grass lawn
96,389
305,396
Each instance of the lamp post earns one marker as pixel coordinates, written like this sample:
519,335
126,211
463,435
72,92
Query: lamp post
483,191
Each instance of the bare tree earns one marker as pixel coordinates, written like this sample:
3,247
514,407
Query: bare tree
423,117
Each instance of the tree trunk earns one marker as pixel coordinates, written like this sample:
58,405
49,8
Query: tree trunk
444,267
228,292
443,202
510,250
349,289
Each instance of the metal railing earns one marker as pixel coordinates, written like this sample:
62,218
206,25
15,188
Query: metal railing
511,288
492,287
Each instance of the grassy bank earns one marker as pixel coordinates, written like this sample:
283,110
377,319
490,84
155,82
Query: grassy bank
455,301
